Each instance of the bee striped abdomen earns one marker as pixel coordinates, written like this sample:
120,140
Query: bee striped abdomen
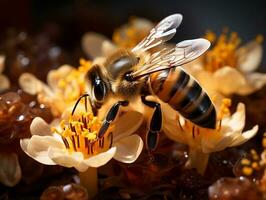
185,95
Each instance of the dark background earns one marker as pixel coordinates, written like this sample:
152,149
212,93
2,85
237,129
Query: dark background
69,19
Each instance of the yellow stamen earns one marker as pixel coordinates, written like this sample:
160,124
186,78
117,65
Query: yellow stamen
85,65
210,36
247,171
80,134
264,141
245,161
255,166
224,51
224,108
254,154
259,38
73,85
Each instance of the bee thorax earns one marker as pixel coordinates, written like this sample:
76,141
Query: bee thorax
127,89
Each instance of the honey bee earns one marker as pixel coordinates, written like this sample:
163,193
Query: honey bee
124,76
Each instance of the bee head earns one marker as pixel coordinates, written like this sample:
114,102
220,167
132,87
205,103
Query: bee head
98,85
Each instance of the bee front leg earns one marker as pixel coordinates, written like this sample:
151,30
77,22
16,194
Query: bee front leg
111,115
152,137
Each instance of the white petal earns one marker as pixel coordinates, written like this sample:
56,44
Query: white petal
40,127
219,144
2,63
142,24
101,158
92,44
42,143
250,56
229,80
128,149
64,158
255,82
37,148
127,124
24,144
30,84
4,83
237,121
10,172
241,139
108,48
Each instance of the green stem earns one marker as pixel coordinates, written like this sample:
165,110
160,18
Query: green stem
89,180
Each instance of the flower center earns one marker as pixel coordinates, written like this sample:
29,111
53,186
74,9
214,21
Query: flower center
73,85
223,52
80,134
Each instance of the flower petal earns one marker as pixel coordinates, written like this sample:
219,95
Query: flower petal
30,84
4,83
231,80
230,133
2,63
237,121
64,158
55,75
101,158
250,56
92,44
10,172
108,48
255,82
37,147
245,136
127,124
128,149
40,127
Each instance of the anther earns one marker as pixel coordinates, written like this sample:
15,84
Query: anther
78,141
65,142
74,142
91,147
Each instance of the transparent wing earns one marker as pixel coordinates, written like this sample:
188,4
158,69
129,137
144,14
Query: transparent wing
163,32
184,52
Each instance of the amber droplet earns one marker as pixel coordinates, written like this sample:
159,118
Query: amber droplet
70,192
234,189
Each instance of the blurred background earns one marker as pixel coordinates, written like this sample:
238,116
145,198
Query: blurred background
67,20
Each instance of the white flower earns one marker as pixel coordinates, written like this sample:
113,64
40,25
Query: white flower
75,146
127,36
10,172
202,141
4,82
65,85
229,69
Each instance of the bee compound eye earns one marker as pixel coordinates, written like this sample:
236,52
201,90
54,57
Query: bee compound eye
99,89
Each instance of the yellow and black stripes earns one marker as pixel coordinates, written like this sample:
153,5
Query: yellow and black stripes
185,95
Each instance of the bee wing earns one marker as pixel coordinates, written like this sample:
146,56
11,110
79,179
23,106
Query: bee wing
162,32
184,52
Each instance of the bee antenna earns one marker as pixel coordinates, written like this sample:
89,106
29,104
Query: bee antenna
86,104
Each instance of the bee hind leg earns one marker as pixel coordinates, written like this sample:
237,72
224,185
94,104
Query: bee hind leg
110,117
155,126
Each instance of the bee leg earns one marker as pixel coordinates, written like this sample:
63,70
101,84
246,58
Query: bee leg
111,115
152,137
